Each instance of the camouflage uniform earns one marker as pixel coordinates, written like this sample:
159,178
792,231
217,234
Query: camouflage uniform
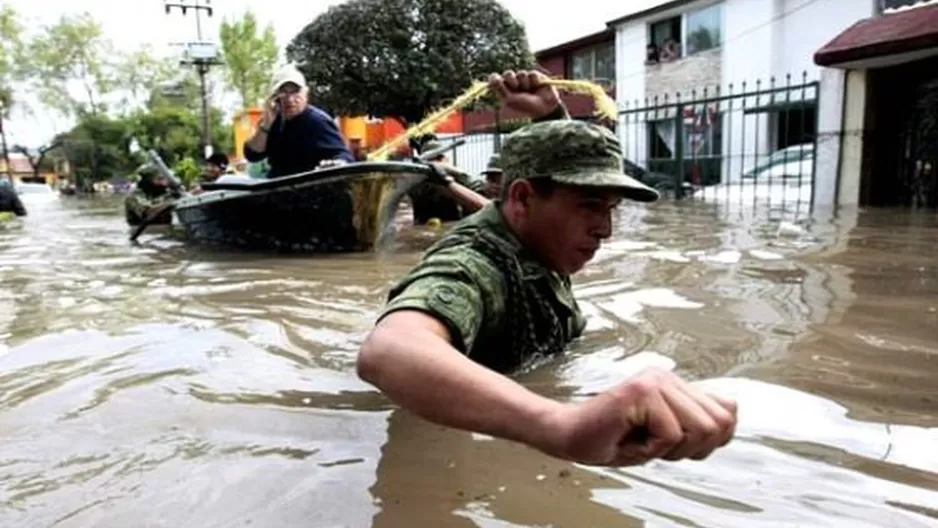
502,307
138,202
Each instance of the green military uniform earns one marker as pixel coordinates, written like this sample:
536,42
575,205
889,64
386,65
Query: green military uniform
138,202
502,307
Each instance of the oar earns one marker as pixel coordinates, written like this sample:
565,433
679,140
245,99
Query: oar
156,212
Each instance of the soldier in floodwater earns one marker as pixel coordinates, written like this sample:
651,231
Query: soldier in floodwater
151,190
431,200
494,296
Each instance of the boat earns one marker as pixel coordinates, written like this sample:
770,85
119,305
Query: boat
346,208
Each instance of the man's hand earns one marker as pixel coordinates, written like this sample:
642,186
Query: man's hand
271,110
654,414
525,92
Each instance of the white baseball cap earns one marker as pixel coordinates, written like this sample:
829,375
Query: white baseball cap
285,75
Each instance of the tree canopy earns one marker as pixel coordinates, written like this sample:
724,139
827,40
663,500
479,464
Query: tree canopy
115,95
403,58
250,56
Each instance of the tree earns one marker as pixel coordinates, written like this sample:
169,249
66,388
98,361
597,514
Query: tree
11,48
73,50
39,159
403,58
249,56
139,71
96,148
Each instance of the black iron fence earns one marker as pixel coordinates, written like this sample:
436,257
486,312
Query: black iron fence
750,142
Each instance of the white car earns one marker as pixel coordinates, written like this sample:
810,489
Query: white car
794,162
32,188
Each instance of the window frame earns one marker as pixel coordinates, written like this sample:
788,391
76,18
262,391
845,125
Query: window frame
592,53
682,40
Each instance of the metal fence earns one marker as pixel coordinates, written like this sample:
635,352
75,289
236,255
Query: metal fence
752,143
473,155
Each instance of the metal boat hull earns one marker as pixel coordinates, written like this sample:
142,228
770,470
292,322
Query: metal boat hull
340,209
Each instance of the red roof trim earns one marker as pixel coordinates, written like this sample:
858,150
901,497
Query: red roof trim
909,30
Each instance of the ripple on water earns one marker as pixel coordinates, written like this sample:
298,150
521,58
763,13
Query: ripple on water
194,387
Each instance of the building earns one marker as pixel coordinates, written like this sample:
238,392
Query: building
879,99
21,170
734,79
592,57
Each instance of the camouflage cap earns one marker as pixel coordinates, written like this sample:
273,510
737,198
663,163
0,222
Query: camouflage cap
572,153
494,165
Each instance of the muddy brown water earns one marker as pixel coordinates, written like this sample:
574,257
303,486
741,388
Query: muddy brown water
167,385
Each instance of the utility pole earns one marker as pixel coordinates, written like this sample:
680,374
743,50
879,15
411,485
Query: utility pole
201,54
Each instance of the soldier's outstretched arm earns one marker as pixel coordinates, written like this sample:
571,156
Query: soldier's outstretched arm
420,355
409,356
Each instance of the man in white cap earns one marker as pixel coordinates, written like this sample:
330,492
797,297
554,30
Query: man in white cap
293,135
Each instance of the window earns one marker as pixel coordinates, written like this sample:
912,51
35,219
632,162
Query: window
702,130
704,29
665,29
664,43
594,63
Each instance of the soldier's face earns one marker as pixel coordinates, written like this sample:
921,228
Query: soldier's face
567,226
493,183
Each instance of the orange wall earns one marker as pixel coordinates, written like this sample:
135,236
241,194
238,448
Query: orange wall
245,122
373,132
376,132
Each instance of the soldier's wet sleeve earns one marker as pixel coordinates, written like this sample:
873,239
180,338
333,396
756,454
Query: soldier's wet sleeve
443,287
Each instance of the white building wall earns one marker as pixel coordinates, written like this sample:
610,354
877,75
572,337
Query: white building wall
630,90
762,39
830,124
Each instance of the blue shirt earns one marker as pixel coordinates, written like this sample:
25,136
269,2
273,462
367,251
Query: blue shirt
301,144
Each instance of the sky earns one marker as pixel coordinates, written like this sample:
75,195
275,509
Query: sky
132,23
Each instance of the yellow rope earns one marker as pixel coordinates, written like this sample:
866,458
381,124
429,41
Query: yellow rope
605,107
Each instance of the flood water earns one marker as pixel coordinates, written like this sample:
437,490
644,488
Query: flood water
171,386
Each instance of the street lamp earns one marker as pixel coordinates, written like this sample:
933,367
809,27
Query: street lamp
201,54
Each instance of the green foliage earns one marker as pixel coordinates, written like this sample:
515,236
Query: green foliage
73,50
250,56
11,54
97,147
402,58
139,72
187,170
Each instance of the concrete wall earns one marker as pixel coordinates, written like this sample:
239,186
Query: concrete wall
851,155
830,120
693,73
630,89
762,39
